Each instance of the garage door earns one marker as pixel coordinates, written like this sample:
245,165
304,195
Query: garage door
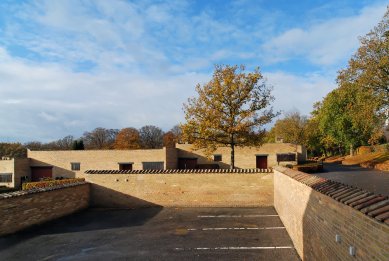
187,163
38,173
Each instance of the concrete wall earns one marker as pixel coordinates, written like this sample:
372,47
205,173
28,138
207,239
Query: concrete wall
245,157
24,209
181,190
18,168
312,220
94,159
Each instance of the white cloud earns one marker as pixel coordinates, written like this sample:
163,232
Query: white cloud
45,102
294,92
325,43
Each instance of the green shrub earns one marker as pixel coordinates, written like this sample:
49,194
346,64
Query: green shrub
50,183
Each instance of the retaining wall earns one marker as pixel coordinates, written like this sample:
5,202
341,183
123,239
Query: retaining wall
22,209
314,210
205,189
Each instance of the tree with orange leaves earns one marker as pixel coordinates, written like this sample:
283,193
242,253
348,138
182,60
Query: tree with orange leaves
127,139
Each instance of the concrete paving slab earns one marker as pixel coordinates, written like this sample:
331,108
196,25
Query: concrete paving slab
156,234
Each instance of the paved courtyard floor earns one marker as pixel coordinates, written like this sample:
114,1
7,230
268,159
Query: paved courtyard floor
372,180
156,234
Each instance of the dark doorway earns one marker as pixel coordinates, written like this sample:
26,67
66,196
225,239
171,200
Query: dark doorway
125,166
262,162
187,163
39,173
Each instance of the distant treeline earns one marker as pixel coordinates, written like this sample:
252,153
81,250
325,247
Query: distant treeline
147,137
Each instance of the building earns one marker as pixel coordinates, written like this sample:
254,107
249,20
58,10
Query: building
73,163
14,171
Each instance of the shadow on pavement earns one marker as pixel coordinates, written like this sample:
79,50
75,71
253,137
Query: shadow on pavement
87,220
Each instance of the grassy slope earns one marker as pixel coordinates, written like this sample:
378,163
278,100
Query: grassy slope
379,160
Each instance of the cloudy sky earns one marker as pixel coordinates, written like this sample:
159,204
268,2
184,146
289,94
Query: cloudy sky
69,66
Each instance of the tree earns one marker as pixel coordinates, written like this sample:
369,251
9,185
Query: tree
78,145
368,68
65,143
169,140
230,110
292,128
100,138
151,137
34,145
176,130
127,139
13,150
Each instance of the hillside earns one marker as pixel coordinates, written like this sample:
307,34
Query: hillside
378,160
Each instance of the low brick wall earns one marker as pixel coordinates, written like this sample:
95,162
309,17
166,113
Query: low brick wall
22,209
182,190
313,213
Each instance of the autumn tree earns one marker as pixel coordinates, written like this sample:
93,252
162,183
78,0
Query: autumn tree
100,138
291,128
151,137
127,139
13,150
369,66
169,140
230,110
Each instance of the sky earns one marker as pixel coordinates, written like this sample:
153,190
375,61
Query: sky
69,66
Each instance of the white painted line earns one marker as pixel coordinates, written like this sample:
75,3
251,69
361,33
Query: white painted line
235,248
234,216
233,228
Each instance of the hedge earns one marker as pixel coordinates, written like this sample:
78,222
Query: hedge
50,183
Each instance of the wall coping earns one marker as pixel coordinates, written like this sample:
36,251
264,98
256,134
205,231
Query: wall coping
39,190
372,205
181,171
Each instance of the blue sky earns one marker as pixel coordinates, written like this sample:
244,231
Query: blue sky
70,66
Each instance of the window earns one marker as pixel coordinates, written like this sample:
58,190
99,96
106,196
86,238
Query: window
153,165
75,165
217,157
6,177
125,166
286,157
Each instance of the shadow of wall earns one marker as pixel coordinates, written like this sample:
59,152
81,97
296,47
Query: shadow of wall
91,219
201,160
57,171
102,197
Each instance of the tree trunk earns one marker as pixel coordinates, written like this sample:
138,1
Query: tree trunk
351,150
232,156
232,152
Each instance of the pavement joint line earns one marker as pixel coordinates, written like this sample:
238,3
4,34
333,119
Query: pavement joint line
233,216
233,228
235,248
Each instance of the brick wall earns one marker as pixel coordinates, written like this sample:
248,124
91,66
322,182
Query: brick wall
22,209
93,159
245,157
313,219
183,190
22,168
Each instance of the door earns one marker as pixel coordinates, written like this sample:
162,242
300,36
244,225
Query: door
38,173
261,162
187,163
125,166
